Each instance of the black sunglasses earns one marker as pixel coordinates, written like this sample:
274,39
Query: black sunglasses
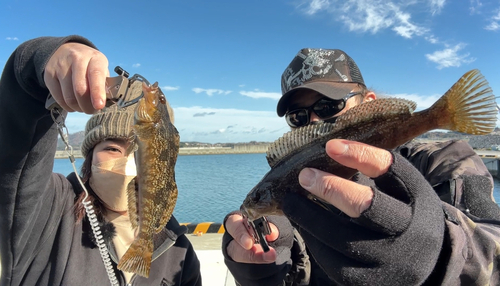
325,108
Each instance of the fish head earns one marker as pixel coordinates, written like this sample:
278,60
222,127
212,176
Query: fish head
151,106
260,201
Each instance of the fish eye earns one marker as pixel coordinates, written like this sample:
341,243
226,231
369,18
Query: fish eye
162,99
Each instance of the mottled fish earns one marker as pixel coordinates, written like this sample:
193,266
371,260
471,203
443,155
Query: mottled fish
152,205
468,106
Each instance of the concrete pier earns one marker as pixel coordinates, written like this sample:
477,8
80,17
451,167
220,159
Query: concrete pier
208,249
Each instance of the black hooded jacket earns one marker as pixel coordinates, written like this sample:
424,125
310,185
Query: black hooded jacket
40,243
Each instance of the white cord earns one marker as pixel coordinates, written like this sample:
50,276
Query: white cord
87,204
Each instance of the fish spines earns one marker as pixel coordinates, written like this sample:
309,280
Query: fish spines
132,203
375,109
292,140
470,105
138,258
359,114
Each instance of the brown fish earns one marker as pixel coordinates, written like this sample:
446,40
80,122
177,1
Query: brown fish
152,205
468,106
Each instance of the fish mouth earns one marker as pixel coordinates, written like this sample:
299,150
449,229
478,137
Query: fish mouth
261,201
250,213
256,212
150,95
256,209
148,105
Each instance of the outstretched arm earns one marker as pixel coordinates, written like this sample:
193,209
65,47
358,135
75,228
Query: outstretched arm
31,201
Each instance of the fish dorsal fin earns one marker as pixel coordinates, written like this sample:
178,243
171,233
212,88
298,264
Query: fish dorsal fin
294,139
375,109
359,114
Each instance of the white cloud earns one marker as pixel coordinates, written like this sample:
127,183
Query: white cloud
136,65
436,6
450,57
406,29
228,125
169,88
474,6
375,15
211,91
260,94
494,25
11,38
432,39
368,16
213,125
316,5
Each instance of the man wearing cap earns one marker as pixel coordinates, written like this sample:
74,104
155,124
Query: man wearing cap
449,236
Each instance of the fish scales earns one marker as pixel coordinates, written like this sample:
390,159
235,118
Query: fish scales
156,173
152,204
468,106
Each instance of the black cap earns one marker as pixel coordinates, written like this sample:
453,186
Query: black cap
330,72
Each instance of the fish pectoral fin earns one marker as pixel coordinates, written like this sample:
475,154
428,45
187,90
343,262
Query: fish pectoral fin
168,209
163,221
132,203
320,202
326,205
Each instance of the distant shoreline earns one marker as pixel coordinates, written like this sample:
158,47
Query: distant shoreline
251,148
238,149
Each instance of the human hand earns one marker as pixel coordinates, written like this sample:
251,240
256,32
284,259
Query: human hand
348,196
242,248
248,263
76,76
391,233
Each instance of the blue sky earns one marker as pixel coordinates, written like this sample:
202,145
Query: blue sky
220,62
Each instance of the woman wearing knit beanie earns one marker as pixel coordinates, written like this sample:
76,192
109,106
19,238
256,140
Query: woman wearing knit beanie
46,236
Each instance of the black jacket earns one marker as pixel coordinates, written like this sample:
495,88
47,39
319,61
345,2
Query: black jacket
469,255
40,242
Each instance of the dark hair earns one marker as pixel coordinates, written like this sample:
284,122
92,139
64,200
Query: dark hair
85,174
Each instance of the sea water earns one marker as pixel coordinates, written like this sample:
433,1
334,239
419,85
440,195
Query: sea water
210,186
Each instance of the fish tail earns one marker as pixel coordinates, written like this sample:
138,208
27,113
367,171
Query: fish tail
137,259
468,106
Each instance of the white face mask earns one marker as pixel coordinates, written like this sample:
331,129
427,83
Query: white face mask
109,180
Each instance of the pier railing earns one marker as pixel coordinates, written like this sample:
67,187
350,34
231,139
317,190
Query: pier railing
491,159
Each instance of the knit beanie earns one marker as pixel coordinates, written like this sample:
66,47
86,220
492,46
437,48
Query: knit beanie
111,122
